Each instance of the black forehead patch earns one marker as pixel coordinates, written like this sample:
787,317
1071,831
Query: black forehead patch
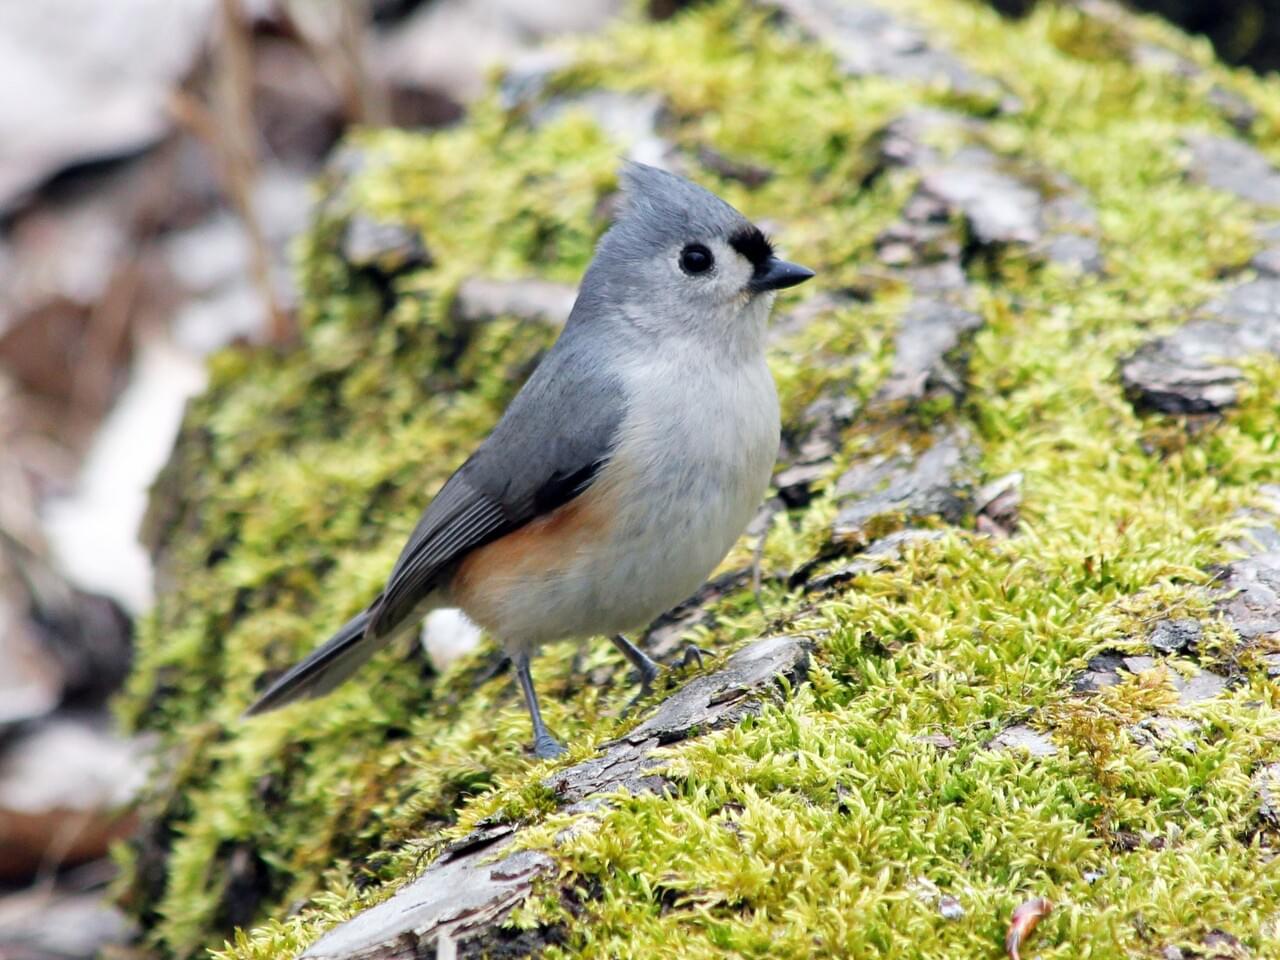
752,244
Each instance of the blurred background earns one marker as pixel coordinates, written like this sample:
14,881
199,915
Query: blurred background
155,161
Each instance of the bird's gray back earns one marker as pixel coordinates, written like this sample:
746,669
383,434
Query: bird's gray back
557,431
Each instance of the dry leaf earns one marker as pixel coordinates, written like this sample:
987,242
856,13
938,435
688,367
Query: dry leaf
1023,921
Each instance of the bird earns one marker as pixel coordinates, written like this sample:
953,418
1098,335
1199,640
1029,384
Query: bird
625,468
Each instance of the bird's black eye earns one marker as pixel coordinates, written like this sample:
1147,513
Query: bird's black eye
695,258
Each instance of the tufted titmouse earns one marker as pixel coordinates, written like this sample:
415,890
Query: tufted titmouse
625,468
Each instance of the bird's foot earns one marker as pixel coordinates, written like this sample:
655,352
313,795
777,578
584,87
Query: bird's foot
650,670
547,747
694,654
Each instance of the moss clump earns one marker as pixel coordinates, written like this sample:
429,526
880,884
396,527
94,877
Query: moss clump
815,828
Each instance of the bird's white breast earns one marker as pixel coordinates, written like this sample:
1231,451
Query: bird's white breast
692,461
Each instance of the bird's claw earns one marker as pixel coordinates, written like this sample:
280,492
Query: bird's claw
547,747
694,654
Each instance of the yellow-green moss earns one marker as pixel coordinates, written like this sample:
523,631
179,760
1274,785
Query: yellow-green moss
812,829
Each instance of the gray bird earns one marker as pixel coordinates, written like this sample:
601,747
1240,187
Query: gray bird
625,468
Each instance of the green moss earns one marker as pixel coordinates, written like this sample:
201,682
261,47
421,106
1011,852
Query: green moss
814,828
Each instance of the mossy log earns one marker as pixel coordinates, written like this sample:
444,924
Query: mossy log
1023,520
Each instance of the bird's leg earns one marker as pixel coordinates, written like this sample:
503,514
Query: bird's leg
694,654
647,666
545,746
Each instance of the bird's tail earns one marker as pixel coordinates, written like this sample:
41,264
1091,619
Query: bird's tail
325,667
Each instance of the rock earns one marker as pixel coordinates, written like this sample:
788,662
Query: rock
868,40
748,174
1272,663
1185,371
1076,251
480,299
907,141
1225,945
1023,739
93,82
298,110
1254,310
93,531
1263,538
1202,685
1175,636
42,924
1102,670
1234,166
1267,260
1266,784
444,52
64,787
928,332
795,483
632,120
528,76
707,702
939,741
1248,596
799,317
462,897
1205,685
31,682
950,908
388,248
996,504
1139,664
1160,731
70,265
925,235
1169,376
1068,208
812,439
1263,534
625,117
909,483
1237,110
457,899
875,557
819,428
211,262
942,276
999,208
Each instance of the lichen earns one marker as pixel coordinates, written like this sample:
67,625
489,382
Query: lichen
810,829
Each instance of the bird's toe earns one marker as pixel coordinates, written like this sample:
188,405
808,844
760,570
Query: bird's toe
693,654
548,747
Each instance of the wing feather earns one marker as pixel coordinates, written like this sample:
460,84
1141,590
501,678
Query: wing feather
547,449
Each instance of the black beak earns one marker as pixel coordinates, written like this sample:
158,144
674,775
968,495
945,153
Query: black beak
775,274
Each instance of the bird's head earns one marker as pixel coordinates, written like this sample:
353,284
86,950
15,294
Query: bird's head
680,259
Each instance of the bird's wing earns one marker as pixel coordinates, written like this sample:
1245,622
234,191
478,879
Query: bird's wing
547,449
